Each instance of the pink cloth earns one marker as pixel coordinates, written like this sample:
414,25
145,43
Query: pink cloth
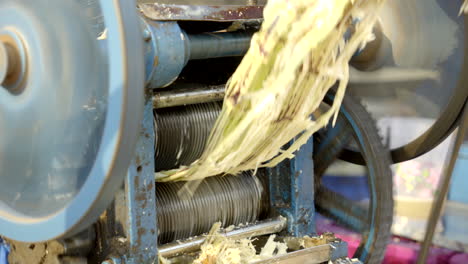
399,251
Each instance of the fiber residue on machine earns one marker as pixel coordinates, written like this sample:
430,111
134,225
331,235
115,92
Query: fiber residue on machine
296,57
464,7
219,249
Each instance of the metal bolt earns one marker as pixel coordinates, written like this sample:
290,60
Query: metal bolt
146,35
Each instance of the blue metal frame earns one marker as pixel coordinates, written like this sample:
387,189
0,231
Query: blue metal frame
292,191
166,52
291,182
141,229
132,220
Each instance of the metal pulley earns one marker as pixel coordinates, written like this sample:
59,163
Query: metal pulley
418,61
71,99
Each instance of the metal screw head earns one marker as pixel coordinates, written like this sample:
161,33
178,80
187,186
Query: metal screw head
146,35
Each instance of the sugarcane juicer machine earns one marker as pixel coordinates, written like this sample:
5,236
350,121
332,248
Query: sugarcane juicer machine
96,96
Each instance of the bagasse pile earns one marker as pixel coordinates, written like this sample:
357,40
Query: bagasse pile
219,249
297,56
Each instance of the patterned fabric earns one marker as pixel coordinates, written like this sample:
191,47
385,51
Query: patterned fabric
399,251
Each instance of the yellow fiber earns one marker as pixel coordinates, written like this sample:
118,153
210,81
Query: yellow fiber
464,7
219,249
296,57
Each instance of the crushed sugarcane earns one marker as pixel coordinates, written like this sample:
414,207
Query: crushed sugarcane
298,54
464,7
219,249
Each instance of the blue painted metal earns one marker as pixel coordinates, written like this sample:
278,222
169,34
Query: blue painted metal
219,13
216,45
292,191
141,229
459,183
75,160
168,49
340,250
166,53
149,50
132,220
340,184
4,250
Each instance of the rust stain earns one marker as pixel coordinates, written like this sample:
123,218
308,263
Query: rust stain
140,197
169,10
136,181
138,220
244,12
155,61
149,187
297,174
204,13
304,216
141,231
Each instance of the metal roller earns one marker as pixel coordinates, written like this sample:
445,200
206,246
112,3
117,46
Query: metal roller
231,200
193,94
260,228
218,45
182,132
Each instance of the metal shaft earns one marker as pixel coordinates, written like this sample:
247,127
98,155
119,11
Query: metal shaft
216,45
169,48
266,227
196,94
